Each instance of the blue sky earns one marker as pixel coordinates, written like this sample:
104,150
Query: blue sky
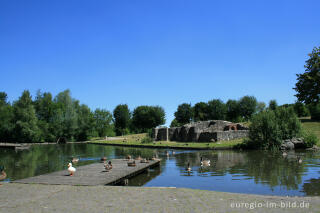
156,52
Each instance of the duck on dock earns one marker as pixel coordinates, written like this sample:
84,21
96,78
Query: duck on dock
71,169
204,162
103,159
132,163
108,166
3,174
144,160
138,158
128,157
188,169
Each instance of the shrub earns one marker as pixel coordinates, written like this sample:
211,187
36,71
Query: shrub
269,128
309,139
146,139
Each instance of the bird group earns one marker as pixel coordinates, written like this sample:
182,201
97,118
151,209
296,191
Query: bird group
202,164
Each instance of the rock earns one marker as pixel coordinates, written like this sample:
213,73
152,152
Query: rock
298,143
287,145
314,148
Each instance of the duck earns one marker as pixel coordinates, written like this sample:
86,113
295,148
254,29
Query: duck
103,159
168,154
3,174
75,160
204,162
188,169
71,169
138,158
144,161
133,163
284,154
128,157
299,159
108,166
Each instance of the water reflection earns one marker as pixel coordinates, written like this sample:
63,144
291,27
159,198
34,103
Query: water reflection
258,172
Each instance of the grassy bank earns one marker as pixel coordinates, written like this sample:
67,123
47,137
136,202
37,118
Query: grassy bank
136,140
312,126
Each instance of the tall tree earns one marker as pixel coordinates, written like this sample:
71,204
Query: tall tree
121,116
201,110
217,110
273,105
184,114
308,85
147,117
25,119
6,116
233,111
103,122
247,106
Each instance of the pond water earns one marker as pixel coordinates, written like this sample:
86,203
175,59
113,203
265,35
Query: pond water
254,172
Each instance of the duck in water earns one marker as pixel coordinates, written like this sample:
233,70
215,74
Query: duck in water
188,169
204,162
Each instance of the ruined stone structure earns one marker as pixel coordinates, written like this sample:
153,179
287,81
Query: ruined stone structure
202,131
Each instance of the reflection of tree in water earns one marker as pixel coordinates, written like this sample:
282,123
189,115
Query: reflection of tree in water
312,187
272,168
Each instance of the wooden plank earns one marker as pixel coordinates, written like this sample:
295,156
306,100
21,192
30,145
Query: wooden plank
93,174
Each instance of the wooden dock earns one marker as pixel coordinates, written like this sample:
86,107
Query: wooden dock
93,174
16,146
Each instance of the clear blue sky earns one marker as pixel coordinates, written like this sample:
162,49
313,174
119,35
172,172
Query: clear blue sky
156,52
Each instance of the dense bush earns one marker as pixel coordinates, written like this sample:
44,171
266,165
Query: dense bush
269,128
309,138
147,139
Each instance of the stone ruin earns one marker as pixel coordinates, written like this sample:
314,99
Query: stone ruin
201,131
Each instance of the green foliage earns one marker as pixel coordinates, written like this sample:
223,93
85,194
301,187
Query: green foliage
301,109
273,105
247,106
309,138
25,120
175,123
184,114
269,128
122,117
308,85
147,117
217,110
6,118
201,111
315,111
103,122
146,140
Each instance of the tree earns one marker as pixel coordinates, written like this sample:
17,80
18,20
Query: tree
85,122
65,119
25,119
200,111
273,105
217,110
45,109
175,123
301,109
121,116
103,122
247,106
6,116
260,107
308,85
147,117
184,114
233,111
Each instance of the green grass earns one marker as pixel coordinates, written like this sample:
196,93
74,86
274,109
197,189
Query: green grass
312,126
135,140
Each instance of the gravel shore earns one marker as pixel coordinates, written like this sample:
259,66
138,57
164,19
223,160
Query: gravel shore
36,198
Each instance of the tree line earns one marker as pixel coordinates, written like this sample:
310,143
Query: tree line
233,110
47,118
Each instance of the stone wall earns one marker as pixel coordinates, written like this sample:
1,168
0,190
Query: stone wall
203,131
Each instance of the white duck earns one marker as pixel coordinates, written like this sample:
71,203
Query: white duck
71,169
